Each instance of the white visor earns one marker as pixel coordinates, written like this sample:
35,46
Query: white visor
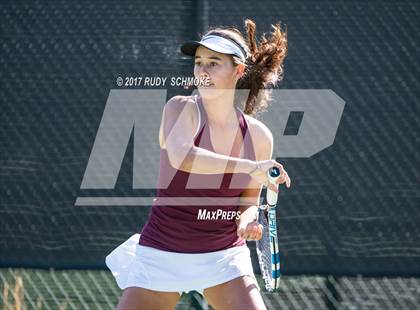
214,43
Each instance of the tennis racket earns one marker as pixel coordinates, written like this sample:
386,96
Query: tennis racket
267,246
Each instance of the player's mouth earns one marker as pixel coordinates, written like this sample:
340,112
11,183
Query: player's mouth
207,85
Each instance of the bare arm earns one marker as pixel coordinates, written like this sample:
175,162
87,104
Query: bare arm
248,227
178,131
249,200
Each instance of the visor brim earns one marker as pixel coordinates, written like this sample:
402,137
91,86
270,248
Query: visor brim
189,48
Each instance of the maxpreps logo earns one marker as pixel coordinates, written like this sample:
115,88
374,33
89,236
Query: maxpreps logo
303,122
219,214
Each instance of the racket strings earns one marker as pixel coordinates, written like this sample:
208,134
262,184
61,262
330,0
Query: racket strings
263,248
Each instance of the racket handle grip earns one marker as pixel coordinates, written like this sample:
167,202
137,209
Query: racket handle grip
273,175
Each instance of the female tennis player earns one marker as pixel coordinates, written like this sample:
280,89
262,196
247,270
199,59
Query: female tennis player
212,147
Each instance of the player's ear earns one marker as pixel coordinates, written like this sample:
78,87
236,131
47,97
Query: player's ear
239,70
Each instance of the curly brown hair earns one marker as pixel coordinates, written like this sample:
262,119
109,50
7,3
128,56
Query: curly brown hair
264,63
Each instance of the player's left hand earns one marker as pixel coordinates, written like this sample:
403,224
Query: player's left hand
250,231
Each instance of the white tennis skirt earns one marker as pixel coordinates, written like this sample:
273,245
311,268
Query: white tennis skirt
135,265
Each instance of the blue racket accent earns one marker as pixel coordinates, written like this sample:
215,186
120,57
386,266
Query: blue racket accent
272,222
275,274
275,258
267,246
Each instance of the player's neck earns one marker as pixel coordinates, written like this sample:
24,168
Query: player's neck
221,112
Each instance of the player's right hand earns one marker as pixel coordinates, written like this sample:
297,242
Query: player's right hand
261,174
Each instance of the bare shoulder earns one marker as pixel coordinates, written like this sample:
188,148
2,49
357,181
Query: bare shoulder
181,107
177,108
178,99
262,138
178,103
259,129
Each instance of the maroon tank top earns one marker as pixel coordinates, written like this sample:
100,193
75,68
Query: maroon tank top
178,227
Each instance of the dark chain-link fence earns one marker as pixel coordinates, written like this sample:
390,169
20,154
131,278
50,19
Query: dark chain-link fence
353,208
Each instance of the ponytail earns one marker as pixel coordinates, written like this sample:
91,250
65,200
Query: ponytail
264,66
